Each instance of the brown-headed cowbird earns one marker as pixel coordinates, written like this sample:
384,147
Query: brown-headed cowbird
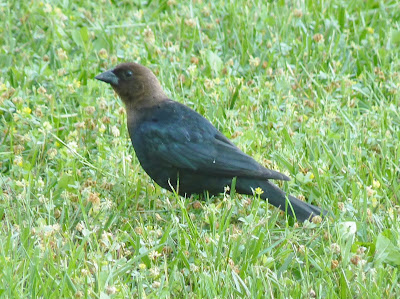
181,150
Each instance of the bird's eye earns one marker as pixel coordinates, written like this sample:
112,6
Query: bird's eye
128,74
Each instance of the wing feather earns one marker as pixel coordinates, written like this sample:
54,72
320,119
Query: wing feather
202,152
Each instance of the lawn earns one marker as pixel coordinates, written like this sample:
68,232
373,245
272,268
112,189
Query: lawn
308,88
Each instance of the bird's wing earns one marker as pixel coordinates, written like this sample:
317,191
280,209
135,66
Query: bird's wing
201,150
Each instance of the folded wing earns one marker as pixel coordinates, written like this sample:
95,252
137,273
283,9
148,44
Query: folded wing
202,151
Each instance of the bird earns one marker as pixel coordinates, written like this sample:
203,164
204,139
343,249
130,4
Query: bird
183,152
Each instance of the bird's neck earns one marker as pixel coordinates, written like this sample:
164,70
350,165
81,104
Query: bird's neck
137,109
145,101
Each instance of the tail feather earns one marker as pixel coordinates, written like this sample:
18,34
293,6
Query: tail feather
294,207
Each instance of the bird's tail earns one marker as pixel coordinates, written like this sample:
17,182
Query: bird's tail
294,207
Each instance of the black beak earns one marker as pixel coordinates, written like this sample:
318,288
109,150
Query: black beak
108,77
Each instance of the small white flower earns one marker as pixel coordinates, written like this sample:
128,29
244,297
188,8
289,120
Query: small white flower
72,146
335,248
21,184
40,183
194,268
115,131
155,271
192,69
153,255
156,284
47,126
80,226
254,61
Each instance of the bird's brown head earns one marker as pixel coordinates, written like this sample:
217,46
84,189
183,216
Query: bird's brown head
135,84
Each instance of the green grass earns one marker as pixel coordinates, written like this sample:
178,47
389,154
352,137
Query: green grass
309,88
